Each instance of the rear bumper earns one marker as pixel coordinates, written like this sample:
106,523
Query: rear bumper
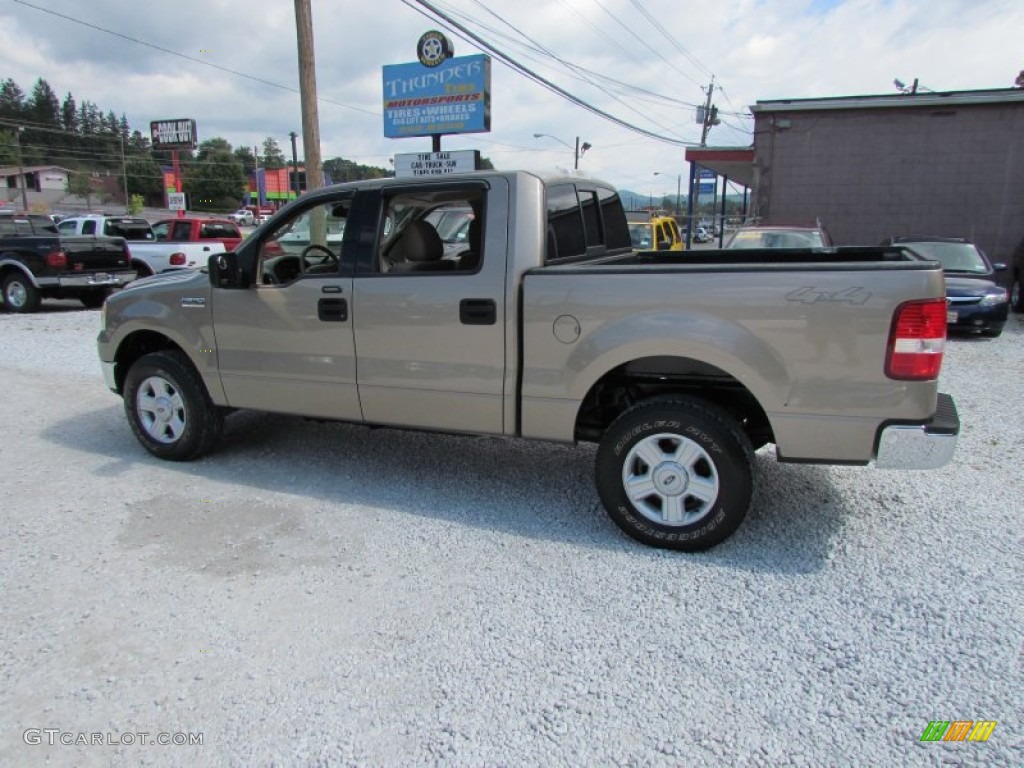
928,445
97,279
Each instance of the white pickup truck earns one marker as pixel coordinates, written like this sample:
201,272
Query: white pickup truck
149,257
548,326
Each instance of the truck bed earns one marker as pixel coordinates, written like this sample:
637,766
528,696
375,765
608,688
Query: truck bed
802,334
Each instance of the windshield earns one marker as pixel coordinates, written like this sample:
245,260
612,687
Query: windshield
954,257
640,235
777,238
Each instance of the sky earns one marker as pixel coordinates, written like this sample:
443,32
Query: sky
232,65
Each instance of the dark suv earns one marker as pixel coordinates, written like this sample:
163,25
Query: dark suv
976,301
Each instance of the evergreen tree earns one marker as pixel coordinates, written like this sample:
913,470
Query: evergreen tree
43,105
12,100
69,114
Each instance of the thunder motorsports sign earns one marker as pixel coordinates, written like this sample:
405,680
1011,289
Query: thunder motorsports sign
452,97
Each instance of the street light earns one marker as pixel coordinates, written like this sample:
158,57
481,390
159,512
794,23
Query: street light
679,183
577,152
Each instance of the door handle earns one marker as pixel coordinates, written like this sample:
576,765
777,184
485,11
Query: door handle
332,310
478,312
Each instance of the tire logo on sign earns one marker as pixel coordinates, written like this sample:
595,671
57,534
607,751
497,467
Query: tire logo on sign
433,48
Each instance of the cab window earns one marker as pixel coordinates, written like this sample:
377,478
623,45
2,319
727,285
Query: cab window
310,242
430,232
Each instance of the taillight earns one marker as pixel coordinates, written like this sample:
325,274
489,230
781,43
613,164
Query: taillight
57,260
177,259
917,340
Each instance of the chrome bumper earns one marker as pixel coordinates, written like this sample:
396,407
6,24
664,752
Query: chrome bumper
108,376
921,446
97,279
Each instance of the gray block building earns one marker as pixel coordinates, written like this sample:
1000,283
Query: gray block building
869,167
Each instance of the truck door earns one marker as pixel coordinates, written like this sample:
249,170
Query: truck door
285,344
429,321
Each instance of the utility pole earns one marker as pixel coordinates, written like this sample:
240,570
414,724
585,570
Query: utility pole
21,168
307,90
295,166
708,117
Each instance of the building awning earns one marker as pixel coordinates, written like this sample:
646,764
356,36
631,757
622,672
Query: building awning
735,163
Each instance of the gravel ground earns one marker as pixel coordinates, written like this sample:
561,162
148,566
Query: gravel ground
328,595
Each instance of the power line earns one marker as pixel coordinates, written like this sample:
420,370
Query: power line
180,55
513,64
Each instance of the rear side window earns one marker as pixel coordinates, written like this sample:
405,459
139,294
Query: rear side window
129,229
565,223
215,230
585,221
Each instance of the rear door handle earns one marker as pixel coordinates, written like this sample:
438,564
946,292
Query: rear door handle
478,312
332,310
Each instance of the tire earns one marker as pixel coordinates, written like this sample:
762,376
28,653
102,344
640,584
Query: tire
94,299
992,334
169,409
695,461
20,295
1017,295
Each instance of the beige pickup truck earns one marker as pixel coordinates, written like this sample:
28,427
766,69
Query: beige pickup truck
345,306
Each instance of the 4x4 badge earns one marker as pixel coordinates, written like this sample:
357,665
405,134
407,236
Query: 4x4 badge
193,302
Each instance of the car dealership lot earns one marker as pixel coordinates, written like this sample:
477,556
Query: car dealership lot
319,594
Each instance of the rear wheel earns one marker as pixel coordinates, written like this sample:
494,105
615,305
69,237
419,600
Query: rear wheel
19,294
676,474
169,409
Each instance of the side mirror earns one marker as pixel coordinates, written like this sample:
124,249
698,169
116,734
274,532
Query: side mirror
999,266
224,271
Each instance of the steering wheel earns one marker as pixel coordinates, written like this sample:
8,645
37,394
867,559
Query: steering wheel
329,256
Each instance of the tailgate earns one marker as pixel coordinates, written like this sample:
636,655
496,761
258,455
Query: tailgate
95,254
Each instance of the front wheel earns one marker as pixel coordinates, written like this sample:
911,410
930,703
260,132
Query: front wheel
1016,295
169,409
676,474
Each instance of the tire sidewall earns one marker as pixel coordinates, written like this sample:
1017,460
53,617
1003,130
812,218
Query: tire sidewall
727,447
31,303
166,366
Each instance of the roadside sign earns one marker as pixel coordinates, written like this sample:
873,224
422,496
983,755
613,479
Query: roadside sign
429,163
173,134
707,188
176,201
706,173
453,97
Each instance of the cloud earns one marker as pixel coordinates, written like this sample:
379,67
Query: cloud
756,50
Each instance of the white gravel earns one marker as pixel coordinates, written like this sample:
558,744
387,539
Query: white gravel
328,595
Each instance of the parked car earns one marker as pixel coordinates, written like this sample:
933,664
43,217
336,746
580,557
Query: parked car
780,236
658,233
976,301
702,235
243,217
198,229
1017,280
